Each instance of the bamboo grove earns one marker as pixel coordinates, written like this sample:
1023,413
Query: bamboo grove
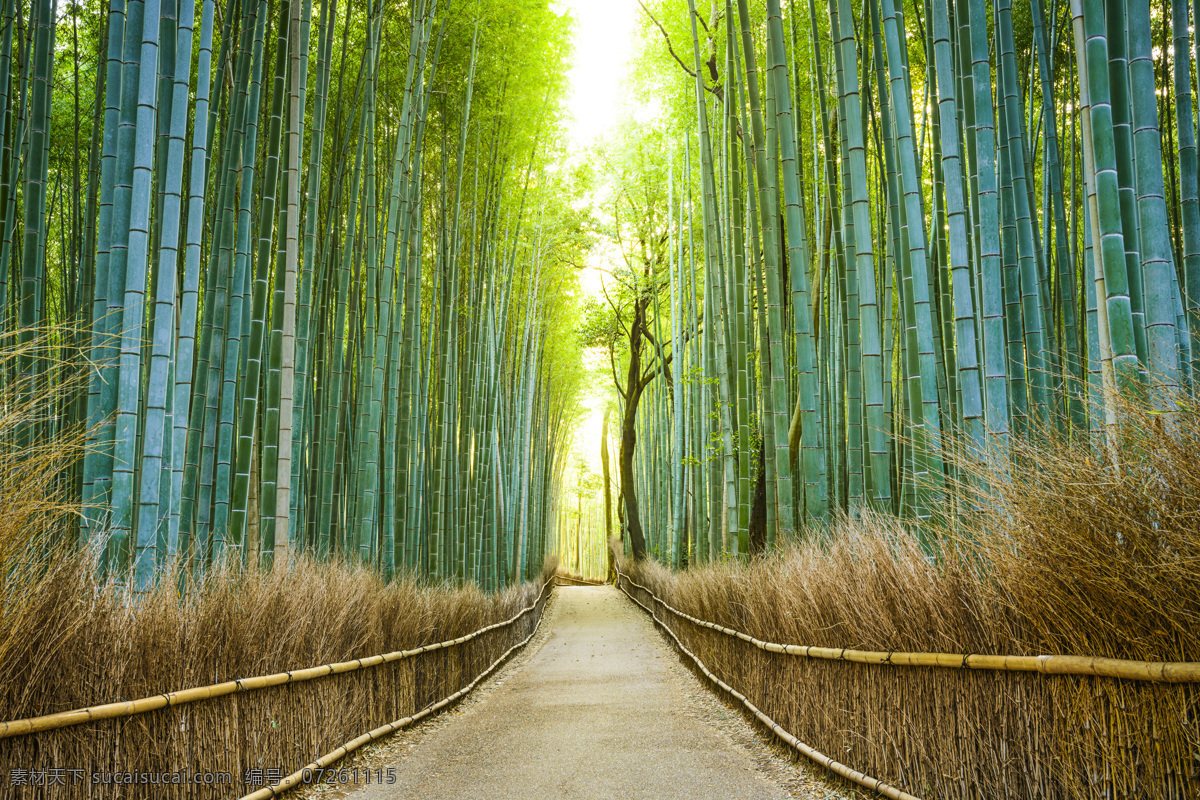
892,237
309,258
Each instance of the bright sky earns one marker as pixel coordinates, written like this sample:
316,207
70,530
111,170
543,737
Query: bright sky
603,45
603,39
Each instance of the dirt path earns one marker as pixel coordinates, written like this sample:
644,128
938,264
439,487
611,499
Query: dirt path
601,709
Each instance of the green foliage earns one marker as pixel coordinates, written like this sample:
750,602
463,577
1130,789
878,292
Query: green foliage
398,293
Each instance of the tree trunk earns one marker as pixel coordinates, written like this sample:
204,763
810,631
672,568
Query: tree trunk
632,519
633,395
758,507
607,480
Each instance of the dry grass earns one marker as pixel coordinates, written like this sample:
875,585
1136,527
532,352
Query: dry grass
35,515
1074,557
78,646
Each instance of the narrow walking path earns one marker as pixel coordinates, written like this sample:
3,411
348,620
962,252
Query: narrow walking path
603,709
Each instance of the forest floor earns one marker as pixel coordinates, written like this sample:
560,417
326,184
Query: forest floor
597,706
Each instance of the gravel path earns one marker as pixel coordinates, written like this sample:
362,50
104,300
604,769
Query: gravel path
598,706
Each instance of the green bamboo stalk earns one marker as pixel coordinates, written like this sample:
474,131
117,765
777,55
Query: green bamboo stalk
1109,230
864,253
33,250
1037,362
970,383
925,404
1064,258
97,468
1114,33
972,25
119,291
799,257
1189,200
252,375
765,181
163,337
1154,236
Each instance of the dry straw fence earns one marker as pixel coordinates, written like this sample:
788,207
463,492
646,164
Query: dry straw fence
270,727
912,725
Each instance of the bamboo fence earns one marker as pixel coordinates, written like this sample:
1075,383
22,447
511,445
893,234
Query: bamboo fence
301,776
264,724
962,725
877,786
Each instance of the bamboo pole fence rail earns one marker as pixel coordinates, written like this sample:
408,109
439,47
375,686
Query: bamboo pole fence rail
1165,671
966,725
65,719
875,785
302,775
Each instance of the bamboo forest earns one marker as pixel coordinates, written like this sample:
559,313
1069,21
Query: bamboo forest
836,361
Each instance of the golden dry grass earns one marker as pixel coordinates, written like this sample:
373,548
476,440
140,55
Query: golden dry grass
1074,557
77,645
35,514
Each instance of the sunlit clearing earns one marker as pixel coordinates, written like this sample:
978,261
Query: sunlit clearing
603,42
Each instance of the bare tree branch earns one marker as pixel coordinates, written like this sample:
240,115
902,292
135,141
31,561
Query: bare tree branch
652,374
715,90
615,308
654,341
667,36
612,362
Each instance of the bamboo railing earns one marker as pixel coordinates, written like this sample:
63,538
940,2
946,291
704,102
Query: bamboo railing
1150,674
65,719
1165,671
875,785
300,776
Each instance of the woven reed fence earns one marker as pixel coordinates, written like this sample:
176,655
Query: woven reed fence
229,739
961,725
